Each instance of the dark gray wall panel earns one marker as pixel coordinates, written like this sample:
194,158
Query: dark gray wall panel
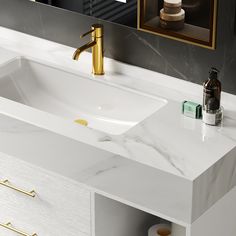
129,45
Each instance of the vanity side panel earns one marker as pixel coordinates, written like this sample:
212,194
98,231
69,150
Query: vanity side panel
218,220
214,184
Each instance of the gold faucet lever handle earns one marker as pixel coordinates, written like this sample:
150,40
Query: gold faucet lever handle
87,33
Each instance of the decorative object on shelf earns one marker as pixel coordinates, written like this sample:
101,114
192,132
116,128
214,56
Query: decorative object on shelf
172,6
189,21
172,15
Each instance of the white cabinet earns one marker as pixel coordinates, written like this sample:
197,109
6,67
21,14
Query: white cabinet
60,207
63,207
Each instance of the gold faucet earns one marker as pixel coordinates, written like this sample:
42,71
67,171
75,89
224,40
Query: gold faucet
96,44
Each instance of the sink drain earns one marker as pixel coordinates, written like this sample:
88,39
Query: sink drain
82,122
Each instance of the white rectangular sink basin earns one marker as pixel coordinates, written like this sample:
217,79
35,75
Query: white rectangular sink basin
72,96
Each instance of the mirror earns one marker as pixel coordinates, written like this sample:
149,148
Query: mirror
123,12
190,21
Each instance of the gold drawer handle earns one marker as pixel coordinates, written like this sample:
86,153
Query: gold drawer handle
10,227
6,183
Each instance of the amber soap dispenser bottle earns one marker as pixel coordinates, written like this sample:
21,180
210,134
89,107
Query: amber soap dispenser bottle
212,112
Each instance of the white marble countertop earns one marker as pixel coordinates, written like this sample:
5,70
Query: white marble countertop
167,148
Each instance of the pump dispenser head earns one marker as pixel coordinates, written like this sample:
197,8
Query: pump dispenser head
213,74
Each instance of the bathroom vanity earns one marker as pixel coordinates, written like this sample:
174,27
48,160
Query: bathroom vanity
138,162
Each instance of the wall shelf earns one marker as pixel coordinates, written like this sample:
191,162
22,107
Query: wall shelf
197,31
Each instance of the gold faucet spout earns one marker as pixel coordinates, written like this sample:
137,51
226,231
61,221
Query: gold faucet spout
96,44
82,49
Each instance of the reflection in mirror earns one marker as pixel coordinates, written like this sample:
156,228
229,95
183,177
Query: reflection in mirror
190,21
119,11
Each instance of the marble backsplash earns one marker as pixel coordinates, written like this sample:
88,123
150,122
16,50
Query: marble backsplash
128,45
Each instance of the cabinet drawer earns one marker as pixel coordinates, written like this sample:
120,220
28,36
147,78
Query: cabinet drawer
60,207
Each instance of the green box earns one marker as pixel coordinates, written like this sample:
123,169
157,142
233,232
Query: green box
192,109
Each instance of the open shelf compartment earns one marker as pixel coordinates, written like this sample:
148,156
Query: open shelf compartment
118,219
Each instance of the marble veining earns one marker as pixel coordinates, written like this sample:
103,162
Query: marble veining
165,140
166,146
156,51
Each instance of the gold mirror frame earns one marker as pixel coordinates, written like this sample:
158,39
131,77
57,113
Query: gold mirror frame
175,35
